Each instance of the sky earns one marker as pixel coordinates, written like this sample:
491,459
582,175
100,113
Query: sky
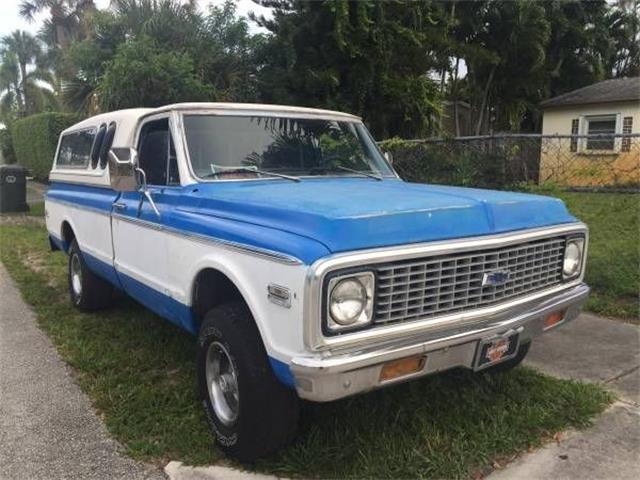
10,20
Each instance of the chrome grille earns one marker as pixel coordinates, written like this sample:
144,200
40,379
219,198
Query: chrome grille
430,286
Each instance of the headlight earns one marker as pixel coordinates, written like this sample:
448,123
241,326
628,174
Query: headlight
350,301
572,258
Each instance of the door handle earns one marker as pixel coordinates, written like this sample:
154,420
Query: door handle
120,207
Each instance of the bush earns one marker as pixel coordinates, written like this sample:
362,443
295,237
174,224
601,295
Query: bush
35,139
142,74
6,147
483,162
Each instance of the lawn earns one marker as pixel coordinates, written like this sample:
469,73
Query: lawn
138,371
613,266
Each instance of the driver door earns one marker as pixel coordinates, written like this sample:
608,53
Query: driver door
139,239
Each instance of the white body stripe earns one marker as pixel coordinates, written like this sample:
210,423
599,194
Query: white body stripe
169,263
92,228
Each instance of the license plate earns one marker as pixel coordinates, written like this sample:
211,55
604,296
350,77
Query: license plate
496,350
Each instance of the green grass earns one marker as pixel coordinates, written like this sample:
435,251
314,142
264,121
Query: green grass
613,264
138,371
36,209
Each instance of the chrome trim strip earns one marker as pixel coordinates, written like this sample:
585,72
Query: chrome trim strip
315,340
256,251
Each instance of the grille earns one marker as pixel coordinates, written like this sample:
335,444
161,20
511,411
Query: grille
430,286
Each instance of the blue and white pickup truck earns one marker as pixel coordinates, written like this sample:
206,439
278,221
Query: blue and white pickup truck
283,239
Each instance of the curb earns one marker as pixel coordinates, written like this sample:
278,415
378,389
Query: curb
178,471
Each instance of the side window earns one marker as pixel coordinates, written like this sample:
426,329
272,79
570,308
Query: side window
95,151
157,155
106,144
75,149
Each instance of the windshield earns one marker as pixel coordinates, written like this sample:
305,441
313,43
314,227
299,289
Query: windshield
223,147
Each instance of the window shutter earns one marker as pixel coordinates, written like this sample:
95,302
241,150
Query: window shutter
627,125
574,131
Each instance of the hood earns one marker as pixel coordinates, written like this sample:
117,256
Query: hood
347,214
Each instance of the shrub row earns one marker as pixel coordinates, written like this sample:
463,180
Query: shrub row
495,163
6,146
35,139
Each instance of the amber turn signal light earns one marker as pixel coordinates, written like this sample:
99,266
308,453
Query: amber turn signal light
401,367
553,319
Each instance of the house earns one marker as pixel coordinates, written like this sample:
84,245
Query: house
608,107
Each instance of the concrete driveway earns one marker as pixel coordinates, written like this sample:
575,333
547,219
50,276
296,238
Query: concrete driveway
48,429
590,349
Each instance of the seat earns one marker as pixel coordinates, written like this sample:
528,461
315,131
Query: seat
153,156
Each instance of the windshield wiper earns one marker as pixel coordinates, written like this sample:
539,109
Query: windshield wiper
365,174
241,169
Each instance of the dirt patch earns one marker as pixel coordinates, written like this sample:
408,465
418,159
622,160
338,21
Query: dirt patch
20,219
35,263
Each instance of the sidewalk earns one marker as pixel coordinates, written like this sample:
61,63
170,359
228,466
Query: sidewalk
590,349
48,429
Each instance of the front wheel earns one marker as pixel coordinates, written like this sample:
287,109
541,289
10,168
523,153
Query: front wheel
249,411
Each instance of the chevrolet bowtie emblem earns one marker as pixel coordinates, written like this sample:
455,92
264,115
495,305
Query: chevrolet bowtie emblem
495,278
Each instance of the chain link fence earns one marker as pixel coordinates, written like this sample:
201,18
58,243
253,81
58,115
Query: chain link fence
594,162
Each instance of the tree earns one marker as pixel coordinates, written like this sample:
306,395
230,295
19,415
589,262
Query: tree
23,78
623,56
10,88
369,58
518,53
142,74
216,49
577,45
503,46
67,20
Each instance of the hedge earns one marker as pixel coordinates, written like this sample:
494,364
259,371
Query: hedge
35,139
6,146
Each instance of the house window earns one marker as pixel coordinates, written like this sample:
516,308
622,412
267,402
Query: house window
601,125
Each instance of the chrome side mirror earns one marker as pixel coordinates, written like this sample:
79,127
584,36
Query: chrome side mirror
122,169
389,157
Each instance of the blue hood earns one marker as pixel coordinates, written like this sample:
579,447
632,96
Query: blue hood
345,214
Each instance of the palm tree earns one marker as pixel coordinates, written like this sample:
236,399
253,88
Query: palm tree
67,19
10,96
23,86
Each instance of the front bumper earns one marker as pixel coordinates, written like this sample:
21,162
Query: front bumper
329,376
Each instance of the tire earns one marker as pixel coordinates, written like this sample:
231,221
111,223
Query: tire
88,292
512,363
263,417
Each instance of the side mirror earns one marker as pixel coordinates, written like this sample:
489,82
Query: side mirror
122,169
389,157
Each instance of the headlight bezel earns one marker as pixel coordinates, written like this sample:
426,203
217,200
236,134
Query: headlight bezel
580,242
368,280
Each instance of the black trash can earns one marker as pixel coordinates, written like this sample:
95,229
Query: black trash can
13,189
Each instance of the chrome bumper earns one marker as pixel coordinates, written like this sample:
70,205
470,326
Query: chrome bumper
329,376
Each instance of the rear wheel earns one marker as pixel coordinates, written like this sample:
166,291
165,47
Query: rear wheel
250,412
88,292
